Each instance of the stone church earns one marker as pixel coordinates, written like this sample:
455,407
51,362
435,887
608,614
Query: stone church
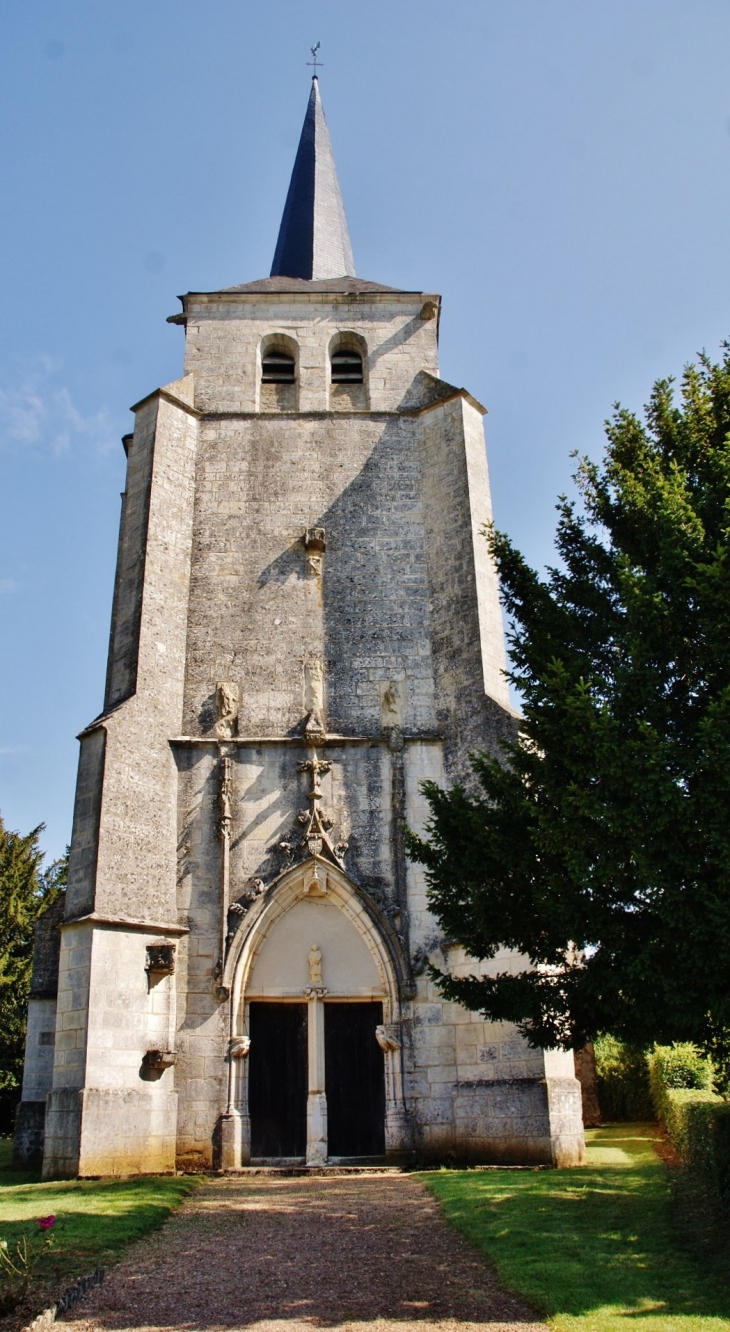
305,626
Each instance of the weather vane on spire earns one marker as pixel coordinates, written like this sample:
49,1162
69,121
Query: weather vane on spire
314,61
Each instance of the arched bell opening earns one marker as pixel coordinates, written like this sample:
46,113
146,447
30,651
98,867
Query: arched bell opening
316,1045
348,372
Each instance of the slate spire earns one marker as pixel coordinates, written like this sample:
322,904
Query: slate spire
314,242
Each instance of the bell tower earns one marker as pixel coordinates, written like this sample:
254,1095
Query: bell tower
305,626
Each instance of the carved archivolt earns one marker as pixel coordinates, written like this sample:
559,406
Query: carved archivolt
315,875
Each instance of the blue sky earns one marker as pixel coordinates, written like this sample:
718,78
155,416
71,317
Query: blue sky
558,169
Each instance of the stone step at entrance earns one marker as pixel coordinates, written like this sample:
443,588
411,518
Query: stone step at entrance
305,1170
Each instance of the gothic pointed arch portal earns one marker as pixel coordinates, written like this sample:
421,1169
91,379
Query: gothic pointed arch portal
315,943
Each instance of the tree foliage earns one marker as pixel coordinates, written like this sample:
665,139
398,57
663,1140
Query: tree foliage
598,844
25,891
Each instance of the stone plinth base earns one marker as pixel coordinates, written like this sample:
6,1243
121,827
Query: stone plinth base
30,1124
105,1131
231,1142
517,1121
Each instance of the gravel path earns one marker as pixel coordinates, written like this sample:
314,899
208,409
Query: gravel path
279,1254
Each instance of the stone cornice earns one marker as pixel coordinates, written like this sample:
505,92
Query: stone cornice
448,397
124,923
379,414
297,741
269,298
167,397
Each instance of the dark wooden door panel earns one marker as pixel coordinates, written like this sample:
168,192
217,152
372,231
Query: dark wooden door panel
277,1095
354,1080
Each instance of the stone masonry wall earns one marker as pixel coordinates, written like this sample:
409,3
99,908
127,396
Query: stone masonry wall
132,550
136,859
467,636
255,615
224,334
124,847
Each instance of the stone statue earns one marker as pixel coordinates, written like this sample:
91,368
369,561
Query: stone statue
226,702
314,696
315,965
391,703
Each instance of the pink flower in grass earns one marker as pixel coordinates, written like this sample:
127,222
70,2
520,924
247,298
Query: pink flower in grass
46,1222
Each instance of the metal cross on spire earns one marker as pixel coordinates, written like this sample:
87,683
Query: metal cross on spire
314,62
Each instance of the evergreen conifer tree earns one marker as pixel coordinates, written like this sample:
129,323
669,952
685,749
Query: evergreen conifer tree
598,844
25,891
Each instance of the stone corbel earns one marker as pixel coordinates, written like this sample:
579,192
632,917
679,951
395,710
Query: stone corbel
388,1036
315,546
158,1060
160,959
239,1047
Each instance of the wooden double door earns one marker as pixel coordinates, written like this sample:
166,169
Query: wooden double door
278,1081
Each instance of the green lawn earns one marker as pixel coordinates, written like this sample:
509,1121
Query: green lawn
96,1218
594,1248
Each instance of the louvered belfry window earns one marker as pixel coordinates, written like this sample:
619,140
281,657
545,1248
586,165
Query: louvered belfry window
346,367
277,368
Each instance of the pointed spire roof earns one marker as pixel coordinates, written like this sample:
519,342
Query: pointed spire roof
314,242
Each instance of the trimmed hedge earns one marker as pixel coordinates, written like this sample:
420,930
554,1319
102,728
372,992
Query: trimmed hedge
696,1119
622,1078
675,1068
